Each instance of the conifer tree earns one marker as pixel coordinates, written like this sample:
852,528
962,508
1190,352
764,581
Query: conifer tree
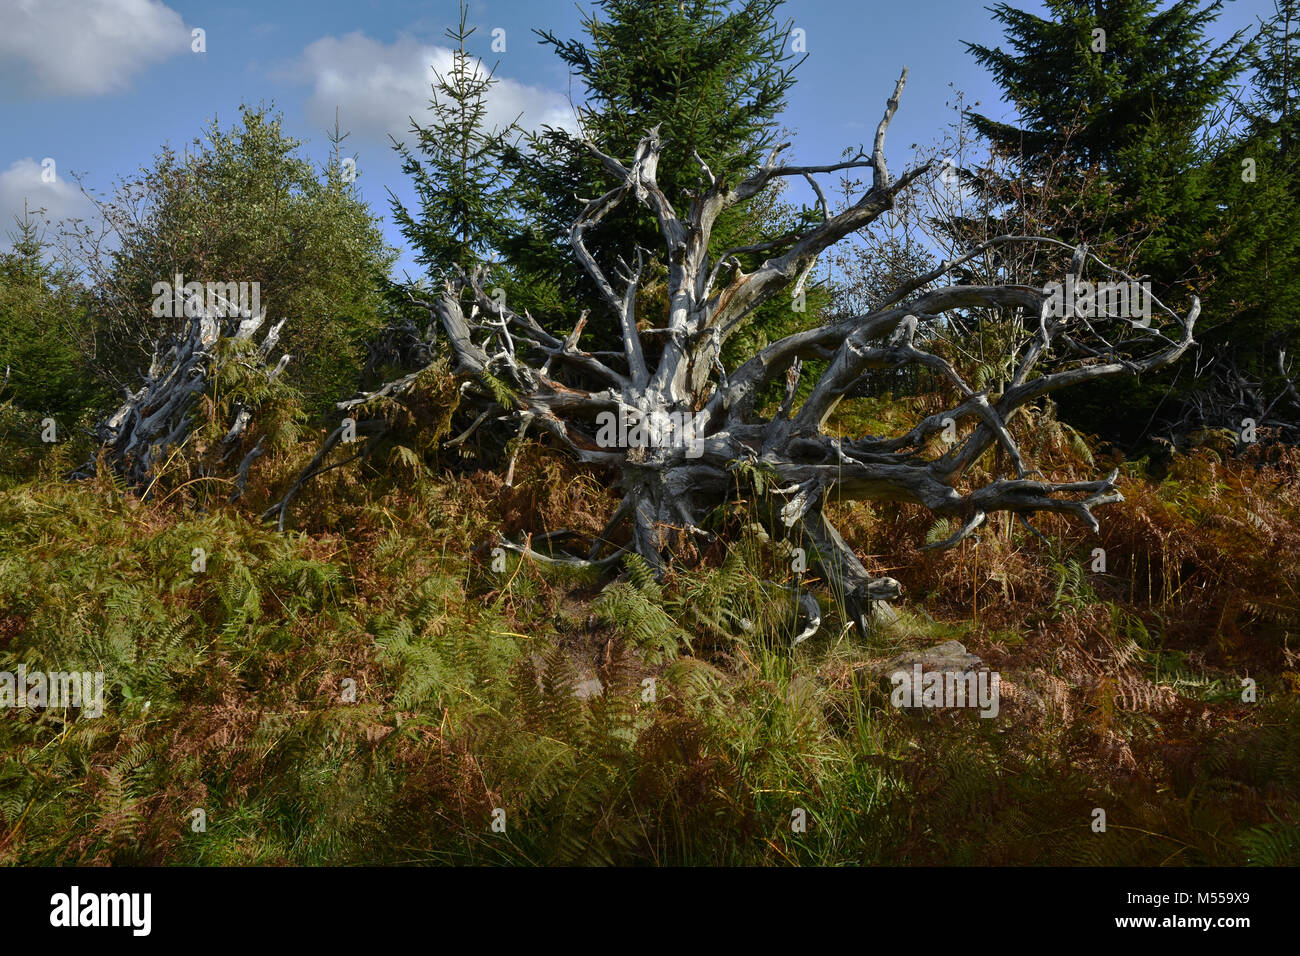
1091,77
1119,103
43,318
455,165
1255,291
1276,82
713,74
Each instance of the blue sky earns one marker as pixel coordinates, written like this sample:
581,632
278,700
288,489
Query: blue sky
99,85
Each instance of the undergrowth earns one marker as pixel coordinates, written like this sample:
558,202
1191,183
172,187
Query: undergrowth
368,689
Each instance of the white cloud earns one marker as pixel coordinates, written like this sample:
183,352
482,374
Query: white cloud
83,47
22,181
378,87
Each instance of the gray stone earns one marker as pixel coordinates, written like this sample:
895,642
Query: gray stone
950,656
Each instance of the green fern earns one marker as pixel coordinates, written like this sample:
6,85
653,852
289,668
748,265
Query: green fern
1273,844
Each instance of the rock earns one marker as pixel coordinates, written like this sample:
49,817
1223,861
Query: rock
950,656
586,684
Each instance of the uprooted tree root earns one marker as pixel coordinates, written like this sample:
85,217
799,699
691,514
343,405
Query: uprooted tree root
517,376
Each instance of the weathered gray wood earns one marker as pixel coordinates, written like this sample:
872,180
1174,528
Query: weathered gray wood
676,487
156,419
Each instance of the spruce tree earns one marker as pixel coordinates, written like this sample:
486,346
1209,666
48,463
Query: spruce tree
1256,293
713,76
455,165
43,321
1113,97
1276,82
1093,75
1115,146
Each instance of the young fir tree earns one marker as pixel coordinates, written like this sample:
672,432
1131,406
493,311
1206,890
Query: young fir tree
455,165
42,322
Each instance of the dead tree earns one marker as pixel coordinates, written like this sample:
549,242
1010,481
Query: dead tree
562,391
157,419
